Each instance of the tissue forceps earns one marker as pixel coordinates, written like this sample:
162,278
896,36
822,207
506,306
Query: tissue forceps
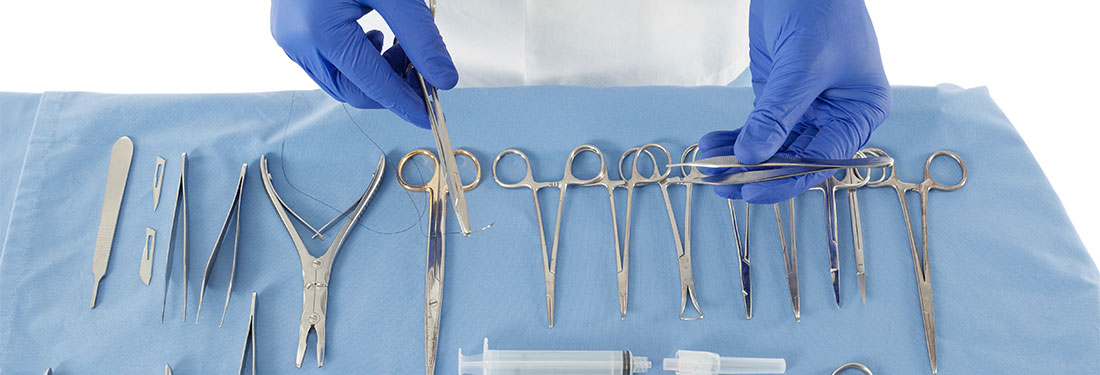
550,258
234,215
179,213
437,190
730,161
447,161
828,189
921,263
316,270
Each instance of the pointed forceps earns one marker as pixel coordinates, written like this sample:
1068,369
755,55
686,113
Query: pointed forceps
316,270
437,190
179,214
683,245
550,258
447,162
828,189
921,263
235,216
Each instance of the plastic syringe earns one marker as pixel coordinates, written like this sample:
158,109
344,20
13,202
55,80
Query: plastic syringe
546,362
690,362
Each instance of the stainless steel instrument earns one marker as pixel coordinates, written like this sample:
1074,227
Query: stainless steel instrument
250,339
921,262
317,270
180,207
549,258
790,256
437,191
683,244
235,216
828,188
117,171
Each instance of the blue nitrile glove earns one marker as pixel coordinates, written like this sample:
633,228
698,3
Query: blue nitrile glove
323,37
820,91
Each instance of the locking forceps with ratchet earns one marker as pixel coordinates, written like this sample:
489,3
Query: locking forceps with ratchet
921,262
549,258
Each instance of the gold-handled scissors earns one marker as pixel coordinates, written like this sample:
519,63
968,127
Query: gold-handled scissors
437,189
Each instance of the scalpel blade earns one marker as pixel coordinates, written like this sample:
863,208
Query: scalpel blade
119,168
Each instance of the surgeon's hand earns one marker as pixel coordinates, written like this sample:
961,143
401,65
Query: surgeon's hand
323,37
820,91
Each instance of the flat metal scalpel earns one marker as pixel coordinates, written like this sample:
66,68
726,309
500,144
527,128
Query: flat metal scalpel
117,171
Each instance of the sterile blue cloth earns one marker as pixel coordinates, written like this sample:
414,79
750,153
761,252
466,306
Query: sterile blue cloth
16,122
1015,291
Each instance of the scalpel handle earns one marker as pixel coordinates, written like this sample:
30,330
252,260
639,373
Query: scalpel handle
119,168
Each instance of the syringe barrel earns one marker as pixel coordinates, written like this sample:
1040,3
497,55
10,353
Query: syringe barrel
552,362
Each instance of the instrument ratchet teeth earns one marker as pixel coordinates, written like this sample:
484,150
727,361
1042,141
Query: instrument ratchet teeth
921,263
550,253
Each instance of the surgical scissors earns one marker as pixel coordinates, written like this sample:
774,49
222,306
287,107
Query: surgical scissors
550,258
828,189
437,190
316,270
683,246
743,265
921,263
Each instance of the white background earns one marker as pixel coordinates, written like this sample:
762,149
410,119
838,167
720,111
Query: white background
1039,60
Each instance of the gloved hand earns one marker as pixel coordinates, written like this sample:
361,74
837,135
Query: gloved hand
323,37
820,92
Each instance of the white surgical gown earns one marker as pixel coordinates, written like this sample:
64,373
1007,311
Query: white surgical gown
593,42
